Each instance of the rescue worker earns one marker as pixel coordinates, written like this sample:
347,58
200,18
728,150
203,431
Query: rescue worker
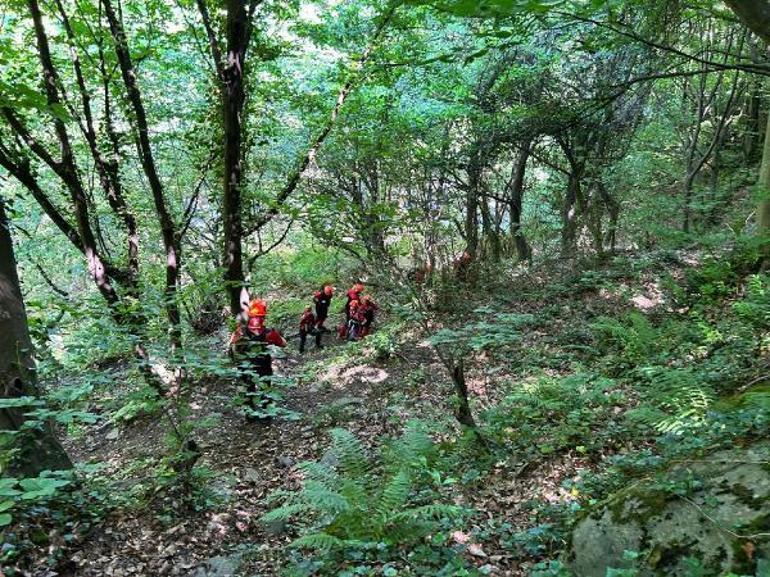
249,344
354,294
307,324
355,320
369,308
322,300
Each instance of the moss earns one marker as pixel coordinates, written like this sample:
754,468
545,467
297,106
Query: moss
638,503
746,496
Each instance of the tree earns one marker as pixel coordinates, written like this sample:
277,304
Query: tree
39,448
756,15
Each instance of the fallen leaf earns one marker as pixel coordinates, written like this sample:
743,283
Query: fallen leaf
460,537
476,550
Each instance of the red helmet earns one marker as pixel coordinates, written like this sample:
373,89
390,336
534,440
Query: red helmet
354,305
358,288
257,308
328,290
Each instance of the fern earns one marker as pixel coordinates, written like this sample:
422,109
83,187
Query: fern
320,472
395,494
350,452
361,500
284,513
324,498
636,338
319,542
682,397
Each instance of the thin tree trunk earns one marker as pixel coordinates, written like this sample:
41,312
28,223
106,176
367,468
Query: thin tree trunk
167,226
472,206
569,216
66,168
233,98
763,209
463,410
39,448
523,250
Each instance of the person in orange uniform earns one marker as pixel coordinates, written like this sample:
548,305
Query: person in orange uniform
249,343
369,308
356,320
307,324
354,294
322,300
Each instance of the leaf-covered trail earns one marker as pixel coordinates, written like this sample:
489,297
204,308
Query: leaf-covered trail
247,462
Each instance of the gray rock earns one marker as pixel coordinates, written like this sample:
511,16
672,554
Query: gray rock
219,567
723,522
286,462
276,528
251,475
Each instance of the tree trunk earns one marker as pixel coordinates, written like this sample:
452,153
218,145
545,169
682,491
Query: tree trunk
471,213
39,449
233,98
763,209
167,225
490,232
755,14
463,410
569,216
523,250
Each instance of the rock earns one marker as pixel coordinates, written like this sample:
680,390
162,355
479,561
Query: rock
251,475
330,459
723,521
276,528
286,462
219,567
112,435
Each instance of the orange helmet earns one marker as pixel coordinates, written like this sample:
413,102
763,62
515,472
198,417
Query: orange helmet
354,305
257,308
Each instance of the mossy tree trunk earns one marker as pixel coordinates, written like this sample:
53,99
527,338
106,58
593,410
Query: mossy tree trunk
39,449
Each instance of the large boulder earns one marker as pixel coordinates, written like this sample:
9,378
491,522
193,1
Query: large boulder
714,512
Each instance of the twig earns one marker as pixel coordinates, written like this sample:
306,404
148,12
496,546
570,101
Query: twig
720,527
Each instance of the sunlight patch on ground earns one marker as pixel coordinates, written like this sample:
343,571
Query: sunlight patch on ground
341,376
650,299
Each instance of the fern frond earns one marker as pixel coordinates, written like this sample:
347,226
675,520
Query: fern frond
319,472
318,542
350,453
283,513
433,511
394,495
324,500
408,450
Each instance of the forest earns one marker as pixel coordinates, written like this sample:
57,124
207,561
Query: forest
384,288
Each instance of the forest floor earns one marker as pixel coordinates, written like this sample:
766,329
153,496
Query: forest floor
219,531
248,461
